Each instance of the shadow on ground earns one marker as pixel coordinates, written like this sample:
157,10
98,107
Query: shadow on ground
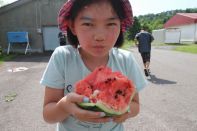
156,80
31,57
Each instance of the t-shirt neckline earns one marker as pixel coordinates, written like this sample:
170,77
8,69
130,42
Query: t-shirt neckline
85,67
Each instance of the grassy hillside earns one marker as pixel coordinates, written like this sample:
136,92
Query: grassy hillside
156,21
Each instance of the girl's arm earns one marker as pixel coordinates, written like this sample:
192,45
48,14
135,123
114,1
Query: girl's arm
58,107
134,106
51,111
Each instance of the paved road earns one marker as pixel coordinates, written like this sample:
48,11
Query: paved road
167,104
169,101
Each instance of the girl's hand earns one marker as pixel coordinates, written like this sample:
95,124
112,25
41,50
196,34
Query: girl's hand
69,104
121,118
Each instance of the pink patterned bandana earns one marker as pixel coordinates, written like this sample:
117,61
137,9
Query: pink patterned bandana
65,11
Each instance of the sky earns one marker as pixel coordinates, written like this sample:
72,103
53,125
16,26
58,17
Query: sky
142,7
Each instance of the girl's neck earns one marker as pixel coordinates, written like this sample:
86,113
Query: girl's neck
92,62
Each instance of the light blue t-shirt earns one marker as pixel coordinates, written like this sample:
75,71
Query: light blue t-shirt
66,67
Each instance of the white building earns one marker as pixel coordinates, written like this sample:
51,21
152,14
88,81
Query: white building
181,28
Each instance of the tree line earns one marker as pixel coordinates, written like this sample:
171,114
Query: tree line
153,21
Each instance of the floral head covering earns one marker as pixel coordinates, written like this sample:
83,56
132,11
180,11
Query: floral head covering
65,11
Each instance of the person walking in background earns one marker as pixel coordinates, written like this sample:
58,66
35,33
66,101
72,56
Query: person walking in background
143,40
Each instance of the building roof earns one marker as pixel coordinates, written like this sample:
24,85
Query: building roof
13,5
181,19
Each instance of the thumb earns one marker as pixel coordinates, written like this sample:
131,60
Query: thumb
76,98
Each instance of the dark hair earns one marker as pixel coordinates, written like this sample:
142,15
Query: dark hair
78,6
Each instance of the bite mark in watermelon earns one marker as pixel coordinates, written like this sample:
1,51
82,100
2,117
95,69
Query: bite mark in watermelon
108,91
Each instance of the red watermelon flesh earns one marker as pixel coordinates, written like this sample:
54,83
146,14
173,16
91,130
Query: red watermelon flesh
109,91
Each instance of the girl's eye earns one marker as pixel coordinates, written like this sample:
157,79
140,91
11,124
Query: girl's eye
111,24
87,24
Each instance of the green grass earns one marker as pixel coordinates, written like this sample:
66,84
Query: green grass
4,57
183,47
189,48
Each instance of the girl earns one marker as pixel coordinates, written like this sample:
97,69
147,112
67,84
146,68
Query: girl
95,31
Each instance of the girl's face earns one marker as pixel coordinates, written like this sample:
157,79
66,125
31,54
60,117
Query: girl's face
97,28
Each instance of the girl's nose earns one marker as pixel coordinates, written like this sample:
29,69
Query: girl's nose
99,38
99,35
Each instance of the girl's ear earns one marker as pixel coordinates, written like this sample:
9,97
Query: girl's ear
71,26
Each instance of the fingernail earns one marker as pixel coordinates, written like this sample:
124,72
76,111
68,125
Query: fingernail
102,114
85,99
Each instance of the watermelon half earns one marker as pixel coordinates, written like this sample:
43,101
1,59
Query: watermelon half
108,91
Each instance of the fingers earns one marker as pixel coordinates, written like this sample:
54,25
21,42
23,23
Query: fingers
80,113
75,98
121,118
90,116
100,120
69,102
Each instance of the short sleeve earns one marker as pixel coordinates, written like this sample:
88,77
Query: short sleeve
135,73
136,36
54,75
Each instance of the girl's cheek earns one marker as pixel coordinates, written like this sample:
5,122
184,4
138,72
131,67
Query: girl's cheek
84,36
86,32
114,32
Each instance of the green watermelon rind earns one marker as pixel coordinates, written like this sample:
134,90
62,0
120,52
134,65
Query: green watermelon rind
100,106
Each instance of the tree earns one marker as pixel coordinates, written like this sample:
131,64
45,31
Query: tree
156,21
132,31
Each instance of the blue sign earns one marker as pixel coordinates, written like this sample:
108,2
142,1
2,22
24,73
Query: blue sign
17,37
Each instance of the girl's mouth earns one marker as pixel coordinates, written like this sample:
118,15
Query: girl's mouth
99,47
